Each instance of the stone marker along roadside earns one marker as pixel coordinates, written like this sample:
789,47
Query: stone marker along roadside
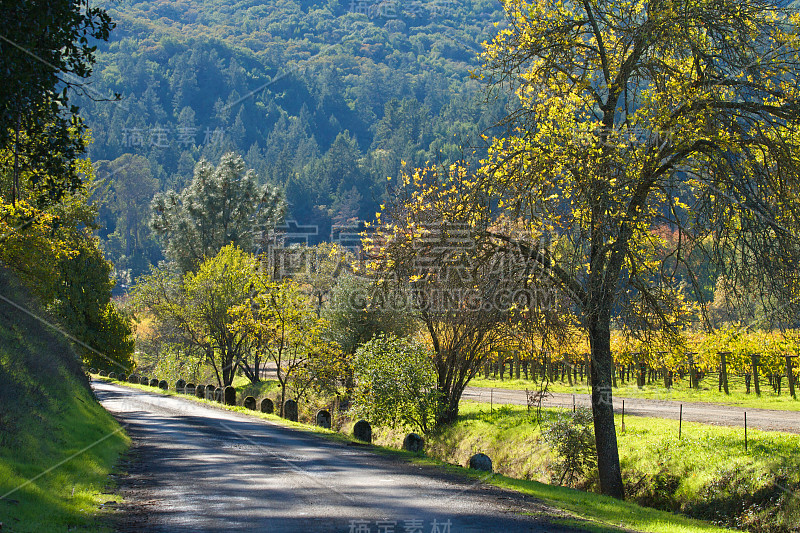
267,406
413,443
480,461
229,396
363,431
250,403
323,419
290,410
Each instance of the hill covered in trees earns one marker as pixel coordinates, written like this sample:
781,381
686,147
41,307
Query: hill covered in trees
325,99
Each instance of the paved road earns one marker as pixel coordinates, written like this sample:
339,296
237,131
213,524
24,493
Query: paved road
707,413
200,469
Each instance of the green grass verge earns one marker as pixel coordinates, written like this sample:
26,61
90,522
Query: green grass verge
57,443
58,469
679,392
607,512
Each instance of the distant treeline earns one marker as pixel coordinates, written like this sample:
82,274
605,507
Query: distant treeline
325,99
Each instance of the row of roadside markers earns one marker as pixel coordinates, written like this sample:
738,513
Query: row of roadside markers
362,430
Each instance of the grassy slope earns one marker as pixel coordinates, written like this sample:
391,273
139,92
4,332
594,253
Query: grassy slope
57,444
707,393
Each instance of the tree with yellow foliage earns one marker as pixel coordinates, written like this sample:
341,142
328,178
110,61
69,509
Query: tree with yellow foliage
637,114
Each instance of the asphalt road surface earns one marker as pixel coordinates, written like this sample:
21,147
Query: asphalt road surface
198,468
706,413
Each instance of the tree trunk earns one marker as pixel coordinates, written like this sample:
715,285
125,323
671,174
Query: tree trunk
605,431
754,361
449,412
723,371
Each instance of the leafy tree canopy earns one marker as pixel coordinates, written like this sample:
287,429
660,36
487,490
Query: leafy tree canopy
46,48
222,205
635,115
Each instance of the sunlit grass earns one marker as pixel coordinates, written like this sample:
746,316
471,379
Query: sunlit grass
68,497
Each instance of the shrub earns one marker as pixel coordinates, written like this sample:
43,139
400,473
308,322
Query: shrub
571,437
395,384
738,498
657,490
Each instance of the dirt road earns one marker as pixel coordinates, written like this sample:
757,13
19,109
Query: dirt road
197,468
706,413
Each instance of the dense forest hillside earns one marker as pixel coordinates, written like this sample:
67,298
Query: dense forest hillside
323,98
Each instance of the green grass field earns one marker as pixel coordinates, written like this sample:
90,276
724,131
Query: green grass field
679,392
